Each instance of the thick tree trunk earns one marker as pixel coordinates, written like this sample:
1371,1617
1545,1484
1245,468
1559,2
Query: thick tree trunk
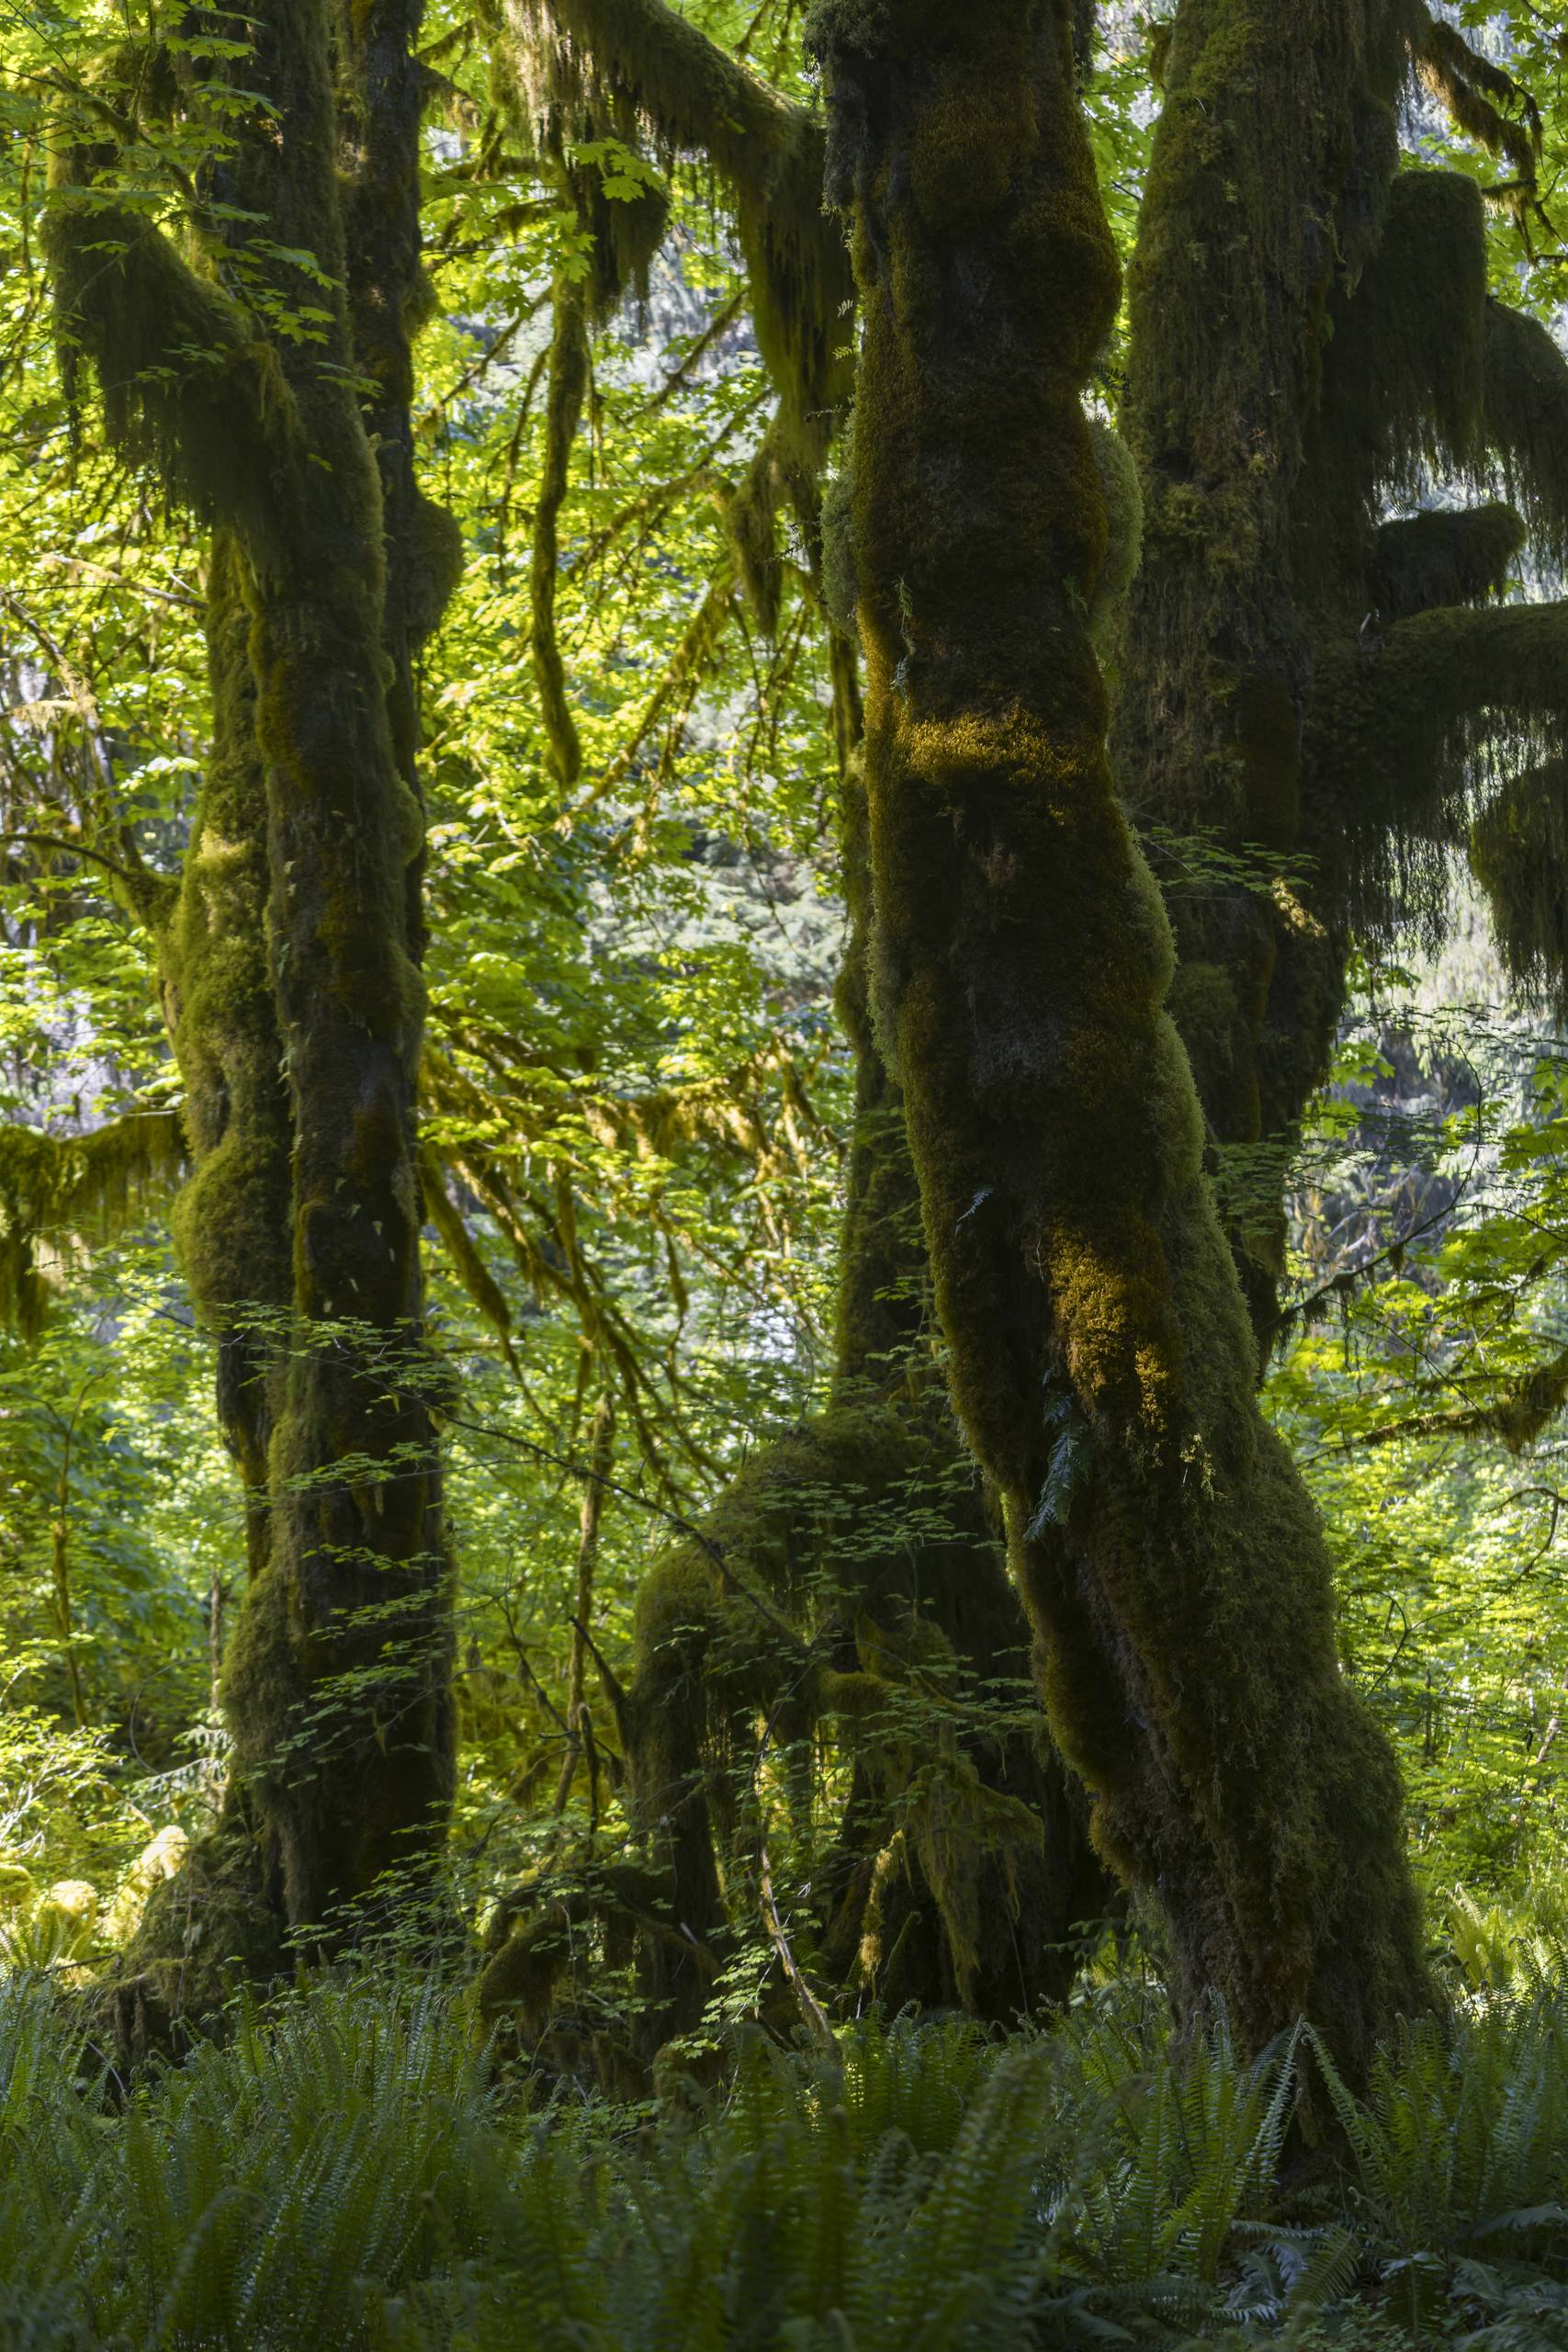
1309,333
1100,1355
339,1685
961,1873
295,947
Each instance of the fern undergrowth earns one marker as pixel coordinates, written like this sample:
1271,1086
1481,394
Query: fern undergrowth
349,2169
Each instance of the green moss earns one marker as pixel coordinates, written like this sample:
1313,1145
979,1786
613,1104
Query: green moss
434,561
567,389
1518,852
1475,92
645,70
231,1222
1349,326
1406,725
1102,1358
186,383
1444,556
207,1931
850,1565
1123,497
1405,375
838,540
750,519
58,1191
1527,423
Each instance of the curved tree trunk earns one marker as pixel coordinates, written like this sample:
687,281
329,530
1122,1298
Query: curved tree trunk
961,1872
291,960
1101,1360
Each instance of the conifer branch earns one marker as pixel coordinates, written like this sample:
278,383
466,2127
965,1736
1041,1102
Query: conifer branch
1399,720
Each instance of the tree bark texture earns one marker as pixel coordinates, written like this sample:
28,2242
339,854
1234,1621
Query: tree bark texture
291,960
1101,1359
1310,338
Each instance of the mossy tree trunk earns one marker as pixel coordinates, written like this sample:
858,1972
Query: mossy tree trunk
231,1219
801,1600
848,1585
1301,681
1101,1359
291,961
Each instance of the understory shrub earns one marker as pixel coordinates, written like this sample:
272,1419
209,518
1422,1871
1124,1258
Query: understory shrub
349,2169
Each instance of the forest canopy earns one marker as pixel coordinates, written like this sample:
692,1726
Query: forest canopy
783,1172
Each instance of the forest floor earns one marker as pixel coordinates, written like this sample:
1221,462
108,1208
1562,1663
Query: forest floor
354,2165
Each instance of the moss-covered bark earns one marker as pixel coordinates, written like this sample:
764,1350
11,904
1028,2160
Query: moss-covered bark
1310,337
848,1585
231,1220
291,961
1101,1359
640,67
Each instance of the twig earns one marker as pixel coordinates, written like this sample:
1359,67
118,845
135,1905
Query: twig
674,1518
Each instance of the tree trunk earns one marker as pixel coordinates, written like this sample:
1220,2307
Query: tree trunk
231,1220
1101,1359
1309,332
961,1871
297,939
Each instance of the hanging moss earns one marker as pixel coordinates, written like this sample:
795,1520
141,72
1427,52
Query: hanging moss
774,480
58,1191
1444,556
1405,372
1519,852
1527,423
1479,97
187,383
657,78
1101,1359
838,592
433,561
1406,723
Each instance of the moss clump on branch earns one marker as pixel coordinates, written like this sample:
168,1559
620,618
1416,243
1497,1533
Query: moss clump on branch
1405,729
188,384
1527,425
640,65
807,1608
57,1190
1405,374
1518,852
1444,556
